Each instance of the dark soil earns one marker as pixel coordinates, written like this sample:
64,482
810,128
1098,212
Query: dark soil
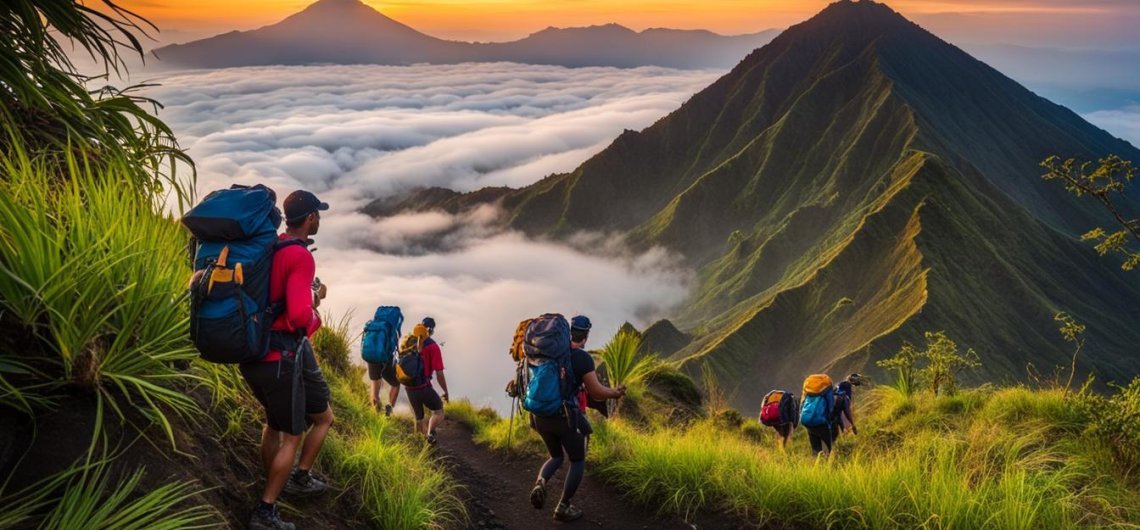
497,490
229,471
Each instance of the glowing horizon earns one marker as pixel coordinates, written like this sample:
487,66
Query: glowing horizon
512,19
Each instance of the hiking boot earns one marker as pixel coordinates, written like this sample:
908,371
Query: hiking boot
566,512
538,494
387,410
431,438
268,520
304,484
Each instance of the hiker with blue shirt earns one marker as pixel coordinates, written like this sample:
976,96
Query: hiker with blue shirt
552,399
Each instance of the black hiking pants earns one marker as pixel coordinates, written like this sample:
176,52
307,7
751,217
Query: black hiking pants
822,436
565,437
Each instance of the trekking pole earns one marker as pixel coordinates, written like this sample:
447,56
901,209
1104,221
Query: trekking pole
511,426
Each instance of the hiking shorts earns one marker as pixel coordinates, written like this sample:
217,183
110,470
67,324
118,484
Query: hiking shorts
563,435
289,390
385,371
424,396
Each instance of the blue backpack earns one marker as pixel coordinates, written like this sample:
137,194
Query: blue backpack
382,335
235,236
549,385
819,401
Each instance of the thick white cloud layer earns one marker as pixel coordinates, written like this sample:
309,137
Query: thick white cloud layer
355,133
1123,123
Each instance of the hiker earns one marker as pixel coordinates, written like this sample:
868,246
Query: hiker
380,373
421,393
287,381
844,418
565,432
780,411
817,413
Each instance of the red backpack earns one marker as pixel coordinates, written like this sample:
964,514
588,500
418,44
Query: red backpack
779,408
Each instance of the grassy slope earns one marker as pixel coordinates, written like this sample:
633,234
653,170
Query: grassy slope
986,458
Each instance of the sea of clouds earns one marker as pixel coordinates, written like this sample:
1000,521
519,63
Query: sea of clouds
356,133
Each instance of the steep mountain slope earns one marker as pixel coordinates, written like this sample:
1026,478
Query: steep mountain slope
850,185
350,32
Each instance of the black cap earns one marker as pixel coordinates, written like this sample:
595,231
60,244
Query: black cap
301,203
580,322
429,322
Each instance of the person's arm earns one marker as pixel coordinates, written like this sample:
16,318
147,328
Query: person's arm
299,311
598,391
442,384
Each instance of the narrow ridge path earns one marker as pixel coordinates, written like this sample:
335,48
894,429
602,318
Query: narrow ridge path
497,491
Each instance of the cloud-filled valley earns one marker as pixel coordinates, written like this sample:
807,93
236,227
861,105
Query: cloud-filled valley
356,133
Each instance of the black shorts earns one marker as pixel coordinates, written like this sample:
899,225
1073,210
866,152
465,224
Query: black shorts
288,395
563,435
385,371
424,397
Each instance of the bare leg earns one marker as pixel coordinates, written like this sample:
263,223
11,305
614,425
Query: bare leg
315,439
375,394
436,417
270,443
280,467
393,393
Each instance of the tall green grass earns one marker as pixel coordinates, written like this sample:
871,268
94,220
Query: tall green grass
988,458
93,279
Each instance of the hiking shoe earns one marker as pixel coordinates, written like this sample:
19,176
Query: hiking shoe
387,410
538,495
304,484
431,438
262,520
566,512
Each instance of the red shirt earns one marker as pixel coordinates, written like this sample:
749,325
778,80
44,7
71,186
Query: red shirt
291,280
433,360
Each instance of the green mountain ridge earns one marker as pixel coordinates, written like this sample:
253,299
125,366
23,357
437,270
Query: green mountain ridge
851,185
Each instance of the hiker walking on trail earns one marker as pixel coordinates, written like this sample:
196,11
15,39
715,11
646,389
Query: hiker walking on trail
287,381
844,417
558,367
378,347
817,413
780,411
415,370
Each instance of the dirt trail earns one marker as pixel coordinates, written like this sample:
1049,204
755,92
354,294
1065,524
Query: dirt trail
497,490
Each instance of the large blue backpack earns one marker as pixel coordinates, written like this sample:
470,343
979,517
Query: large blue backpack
236,235
382,335
549,385
819,401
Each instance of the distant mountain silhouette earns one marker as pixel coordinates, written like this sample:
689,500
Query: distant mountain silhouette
350,32
849,186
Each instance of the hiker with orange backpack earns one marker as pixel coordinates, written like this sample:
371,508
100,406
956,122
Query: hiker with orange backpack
420,359
556,368
817,413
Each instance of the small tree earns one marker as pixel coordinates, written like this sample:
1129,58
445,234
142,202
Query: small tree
1111,176
1072,331
944,364
903,363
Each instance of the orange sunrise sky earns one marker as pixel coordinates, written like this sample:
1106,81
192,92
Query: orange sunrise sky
487,20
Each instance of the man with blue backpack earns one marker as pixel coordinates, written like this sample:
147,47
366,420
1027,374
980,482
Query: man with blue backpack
378,348
557,368
248,275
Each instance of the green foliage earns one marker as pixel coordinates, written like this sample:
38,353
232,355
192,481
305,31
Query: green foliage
1110,178
1117,420
1072,331
943,364
624,362
904,365
92,282
333,343
48,110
